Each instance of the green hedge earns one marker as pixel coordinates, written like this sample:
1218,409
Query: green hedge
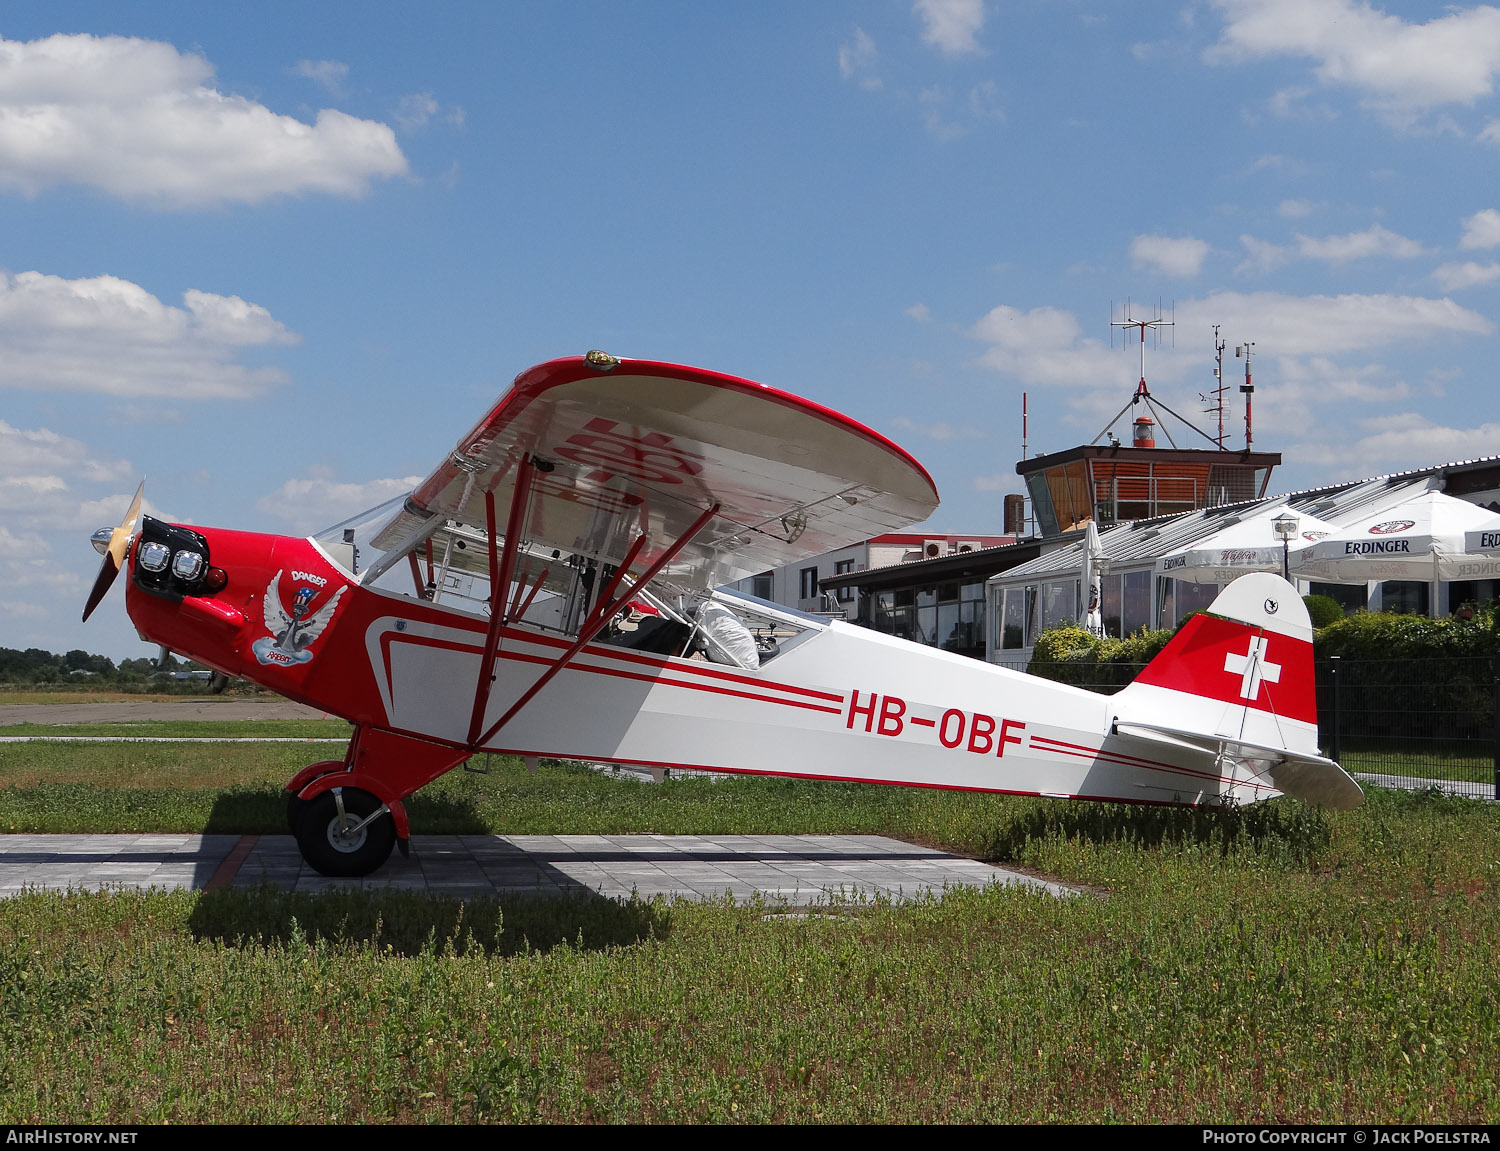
1389,636
1071,654
1323,610
1075,655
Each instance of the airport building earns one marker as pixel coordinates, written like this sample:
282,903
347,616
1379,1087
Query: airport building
826,584
1144,509
1135,567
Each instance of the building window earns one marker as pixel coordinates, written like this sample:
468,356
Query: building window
1135,609
1059,603
1406,596
1355,597
844,567
807,583
1110,604
1013,618
1180,599
760,586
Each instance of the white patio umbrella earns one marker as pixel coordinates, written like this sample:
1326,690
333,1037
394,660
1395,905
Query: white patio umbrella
1248,545
1093,552
1423,538
1484,541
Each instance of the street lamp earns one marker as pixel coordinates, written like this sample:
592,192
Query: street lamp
1286,528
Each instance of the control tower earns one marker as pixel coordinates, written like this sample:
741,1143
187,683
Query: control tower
1117,482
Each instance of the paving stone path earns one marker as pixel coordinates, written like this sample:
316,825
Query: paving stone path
797,869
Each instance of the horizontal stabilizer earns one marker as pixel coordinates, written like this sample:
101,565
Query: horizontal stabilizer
1310,778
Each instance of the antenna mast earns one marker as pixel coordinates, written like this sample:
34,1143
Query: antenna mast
1141,326
1220,387
1247,387
1023,425
1142,392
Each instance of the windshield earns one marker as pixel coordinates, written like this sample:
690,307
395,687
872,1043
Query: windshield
349,541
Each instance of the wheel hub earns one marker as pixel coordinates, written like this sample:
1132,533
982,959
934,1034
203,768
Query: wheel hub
346,841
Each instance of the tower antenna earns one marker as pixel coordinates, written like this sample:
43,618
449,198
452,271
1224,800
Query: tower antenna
1142,393
1219,388
1247,387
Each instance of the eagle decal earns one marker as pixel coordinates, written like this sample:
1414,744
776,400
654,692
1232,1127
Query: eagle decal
292,632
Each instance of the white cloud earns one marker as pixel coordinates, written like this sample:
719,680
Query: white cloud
919,312
416,109
1408,439
1329,325
1044,346
1456,277
1294,208
1301,340
939,430
1302,382
307,505
1276,162
983,102
938,101
1481,230
1263,256
1004,482
1401,68
39,458
137,119
1490,133
1172,255
327,74
1377,241
39,474
110,336
951,26
857,59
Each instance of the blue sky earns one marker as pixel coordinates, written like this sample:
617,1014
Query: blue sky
277,258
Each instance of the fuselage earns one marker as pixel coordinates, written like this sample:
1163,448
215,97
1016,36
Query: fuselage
842,702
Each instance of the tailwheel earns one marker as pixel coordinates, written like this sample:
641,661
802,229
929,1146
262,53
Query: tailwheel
342,832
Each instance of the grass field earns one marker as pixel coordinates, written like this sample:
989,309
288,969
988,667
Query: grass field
1261,965
191,729
1421,763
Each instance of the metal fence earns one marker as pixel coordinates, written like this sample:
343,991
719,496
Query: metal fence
1403,723
1422,722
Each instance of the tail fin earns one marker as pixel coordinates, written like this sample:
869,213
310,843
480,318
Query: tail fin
1239,682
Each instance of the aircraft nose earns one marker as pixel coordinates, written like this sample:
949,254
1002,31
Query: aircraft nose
100,539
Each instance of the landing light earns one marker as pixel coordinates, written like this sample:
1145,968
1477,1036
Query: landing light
186,565
153,556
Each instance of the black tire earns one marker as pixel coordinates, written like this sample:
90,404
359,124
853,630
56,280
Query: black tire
296,809
316,826
296,812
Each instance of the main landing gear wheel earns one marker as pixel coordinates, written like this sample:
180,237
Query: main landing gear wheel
343,831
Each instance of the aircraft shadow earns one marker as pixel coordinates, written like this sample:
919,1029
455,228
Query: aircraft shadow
406,923
249,811
1282,826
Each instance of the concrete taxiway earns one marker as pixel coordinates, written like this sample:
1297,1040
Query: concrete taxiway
795,869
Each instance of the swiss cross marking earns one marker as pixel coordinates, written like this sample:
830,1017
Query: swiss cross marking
1252,668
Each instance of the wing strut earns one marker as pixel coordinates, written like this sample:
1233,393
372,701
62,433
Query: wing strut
604,610
501,566
517,605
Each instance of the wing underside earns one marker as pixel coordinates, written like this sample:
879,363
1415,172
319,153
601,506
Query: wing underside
646,449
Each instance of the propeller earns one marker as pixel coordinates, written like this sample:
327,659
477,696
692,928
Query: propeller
113,543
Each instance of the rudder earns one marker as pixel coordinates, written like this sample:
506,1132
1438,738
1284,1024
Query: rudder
1239,681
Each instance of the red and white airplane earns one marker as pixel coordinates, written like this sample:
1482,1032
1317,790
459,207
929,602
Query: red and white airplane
487,611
